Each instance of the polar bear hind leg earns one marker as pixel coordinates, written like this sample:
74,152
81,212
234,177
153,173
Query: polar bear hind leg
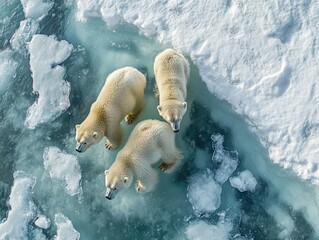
114,137
170,160
146,182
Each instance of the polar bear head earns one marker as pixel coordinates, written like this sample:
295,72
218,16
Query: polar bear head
86,136
173,114
116,180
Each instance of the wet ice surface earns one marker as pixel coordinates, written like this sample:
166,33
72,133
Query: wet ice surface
280,207
245,181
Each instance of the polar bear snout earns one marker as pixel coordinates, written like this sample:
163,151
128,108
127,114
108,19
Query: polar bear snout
175,125
110,193
79,147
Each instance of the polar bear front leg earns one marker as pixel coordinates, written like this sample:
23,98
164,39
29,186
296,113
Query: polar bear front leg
139,105
114,137
139,186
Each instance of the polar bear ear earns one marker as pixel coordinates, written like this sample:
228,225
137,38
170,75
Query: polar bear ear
159,109
184,105
77,126
95,134
125,179
106,172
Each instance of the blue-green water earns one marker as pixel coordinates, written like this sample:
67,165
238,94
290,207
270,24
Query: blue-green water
165,213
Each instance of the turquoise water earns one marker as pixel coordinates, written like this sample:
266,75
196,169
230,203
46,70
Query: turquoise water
165,213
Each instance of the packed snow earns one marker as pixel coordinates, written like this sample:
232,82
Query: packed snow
259,56
204,193
245,181
64,168
46,53
228,161
65,229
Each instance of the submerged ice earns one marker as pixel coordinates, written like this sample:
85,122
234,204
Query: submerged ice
56,64
64,168
204,193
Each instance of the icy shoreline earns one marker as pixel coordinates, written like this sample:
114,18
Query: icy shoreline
261,62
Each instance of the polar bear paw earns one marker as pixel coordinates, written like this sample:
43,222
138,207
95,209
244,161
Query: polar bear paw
129,118
108,145
139,186
166,166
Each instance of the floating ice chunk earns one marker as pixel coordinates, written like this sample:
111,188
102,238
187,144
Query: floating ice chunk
45,55
204,193
36,9
24,34
8,68
65,229
245,181
42,222
64,168
228,160
22,208
201,230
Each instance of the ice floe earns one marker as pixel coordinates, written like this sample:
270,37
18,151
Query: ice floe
36,9
8,68
200,230
204,193
227,160
65,229
46,53
245,181
22,208
64,168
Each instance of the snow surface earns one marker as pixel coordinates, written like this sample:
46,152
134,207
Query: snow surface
64,168
260,56
228,160
65,229
245,181
45,55
204,193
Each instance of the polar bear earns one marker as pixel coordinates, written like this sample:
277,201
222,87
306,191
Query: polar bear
150,141
171,73
121,96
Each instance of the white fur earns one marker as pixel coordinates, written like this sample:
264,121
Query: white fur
171,73
121,96
150,141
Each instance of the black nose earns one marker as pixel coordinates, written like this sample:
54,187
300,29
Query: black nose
176,130
78,150
108,197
